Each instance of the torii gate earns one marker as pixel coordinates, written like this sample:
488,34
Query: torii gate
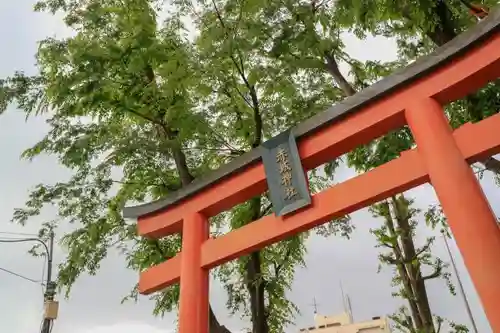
415,97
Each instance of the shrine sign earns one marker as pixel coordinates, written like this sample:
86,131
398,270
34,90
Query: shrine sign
286,179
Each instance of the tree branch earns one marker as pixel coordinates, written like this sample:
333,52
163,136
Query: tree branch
390,259
186,178
333,69
228,94
241,70
277,268
439,326
266,210
168,187
422,250
233,59
257,117
437,273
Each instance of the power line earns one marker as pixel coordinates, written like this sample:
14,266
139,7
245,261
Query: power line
461,287
17,233
20,276
20,240
7,239
12,237
23,240
52,306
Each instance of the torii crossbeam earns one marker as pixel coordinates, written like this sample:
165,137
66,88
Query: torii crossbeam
414,97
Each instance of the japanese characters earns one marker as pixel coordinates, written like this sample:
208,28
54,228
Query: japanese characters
285,171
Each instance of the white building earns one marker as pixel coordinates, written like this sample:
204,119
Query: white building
343,323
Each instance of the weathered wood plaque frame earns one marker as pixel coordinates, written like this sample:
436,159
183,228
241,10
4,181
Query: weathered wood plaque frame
286,179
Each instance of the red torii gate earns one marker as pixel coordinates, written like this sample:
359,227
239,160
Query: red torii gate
415,97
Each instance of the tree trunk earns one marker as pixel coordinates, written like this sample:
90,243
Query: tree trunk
256,285
413,266
181,165
214,325
256,288
403,273
333,69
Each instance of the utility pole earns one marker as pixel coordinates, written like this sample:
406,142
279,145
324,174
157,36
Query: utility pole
346,303
462,291
51,306
315,305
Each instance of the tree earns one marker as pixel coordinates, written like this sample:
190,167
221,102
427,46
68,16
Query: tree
135,109
306,34
267,98
418,27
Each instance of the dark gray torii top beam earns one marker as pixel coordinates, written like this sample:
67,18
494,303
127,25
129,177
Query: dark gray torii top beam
400,78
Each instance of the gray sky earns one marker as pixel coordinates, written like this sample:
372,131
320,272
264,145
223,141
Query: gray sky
94,305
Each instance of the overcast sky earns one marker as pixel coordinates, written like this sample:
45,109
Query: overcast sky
94,305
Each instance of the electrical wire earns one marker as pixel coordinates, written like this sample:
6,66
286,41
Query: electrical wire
10,236
28,279
23,240
20,240
17,233
20,276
